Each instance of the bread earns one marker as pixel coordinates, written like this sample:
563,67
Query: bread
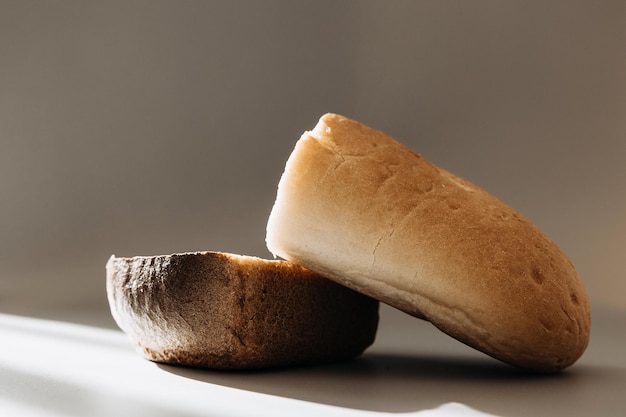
360,208
224,311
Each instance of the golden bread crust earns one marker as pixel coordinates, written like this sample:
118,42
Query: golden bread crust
359,207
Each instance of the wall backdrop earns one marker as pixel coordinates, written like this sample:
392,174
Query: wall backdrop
153,127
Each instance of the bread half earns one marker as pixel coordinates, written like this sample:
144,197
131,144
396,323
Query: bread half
225,311
360,208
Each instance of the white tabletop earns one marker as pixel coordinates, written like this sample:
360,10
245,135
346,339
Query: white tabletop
56,368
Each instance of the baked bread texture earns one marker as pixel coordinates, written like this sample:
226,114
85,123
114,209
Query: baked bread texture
358,207
225,311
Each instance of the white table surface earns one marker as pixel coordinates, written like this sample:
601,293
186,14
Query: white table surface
57,368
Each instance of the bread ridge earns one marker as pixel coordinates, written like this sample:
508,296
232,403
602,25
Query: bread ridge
228,311
357,206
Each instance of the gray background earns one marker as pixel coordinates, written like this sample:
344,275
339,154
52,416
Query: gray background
145,128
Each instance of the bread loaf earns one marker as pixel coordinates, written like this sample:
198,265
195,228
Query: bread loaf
357,206
224,311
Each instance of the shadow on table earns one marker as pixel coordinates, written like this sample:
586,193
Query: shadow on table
392,383
439,373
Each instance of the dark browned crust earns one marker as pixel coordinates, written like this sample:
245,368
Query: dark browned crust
223,311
